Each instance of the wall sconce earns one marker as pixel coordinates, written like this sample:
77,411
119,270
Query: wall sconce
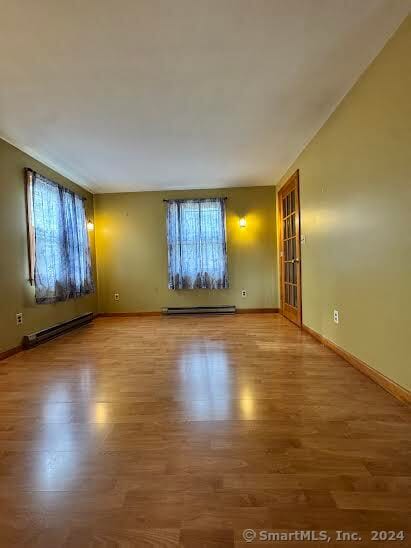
90,225
243,222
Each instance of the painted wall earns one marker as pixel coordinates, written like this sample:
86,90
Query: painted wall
355,178
17,295
131,245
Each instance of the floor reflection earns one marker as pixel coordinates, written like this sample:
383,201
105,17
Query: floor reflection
247,404
69,426
55,470
99,413
206,381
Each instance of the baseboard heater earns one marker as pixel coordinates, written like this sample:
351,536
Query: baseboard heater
52,332
200,310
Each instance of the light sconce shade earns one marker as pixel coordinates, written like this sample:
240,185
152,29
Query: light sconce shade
243,222
90,225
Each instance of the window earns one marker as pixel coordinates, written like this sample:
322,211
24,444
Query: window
197,250
59,251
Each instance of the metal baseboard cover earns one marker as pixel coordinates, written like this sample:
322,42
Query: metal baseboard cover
229,309
51,332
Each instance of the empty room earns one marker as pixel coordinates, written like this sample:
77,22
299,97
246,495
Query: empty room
205,267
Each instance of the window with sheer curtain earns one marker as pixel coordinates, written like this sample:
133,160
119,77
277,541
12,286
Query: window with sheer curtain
60,262
197,249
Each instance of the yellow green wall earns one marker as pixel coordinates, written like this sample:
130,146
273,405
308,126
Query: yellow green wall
17,295
131,246
355,178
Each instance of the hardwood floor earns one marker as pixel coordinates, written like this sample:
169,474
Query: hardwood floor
185,431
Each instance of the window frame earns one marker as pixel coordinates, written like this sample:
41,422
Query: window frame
223,202
31,229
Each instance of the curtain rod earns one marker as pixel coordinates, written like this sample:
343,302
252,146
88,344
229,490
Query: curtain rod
28,170
194,199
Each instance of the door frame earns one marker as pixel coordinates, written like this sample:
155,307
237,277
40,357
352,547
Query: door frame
293,180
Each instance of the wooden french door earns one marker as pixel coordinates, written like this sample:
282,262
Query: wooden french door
290,249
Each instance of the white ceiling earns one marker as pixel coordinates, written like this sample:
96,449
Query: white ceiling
124,95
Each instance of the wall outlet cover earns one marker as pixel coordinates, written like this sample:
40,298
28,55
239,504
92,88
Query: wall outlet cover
19,318
336,316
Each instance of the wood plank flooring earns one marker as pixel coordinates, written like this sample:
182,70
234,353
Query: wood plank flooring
185,431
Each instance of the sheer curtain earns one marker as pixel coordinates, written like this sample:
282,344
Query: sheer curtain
62,252
197,249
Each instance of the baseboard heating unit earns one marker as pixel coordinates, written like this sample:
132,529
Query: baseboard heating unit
200,310
51,332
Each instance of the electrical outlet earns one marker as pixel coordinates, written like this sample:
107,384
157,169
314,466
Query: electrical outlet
244,293
116,296
19,318
336,316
